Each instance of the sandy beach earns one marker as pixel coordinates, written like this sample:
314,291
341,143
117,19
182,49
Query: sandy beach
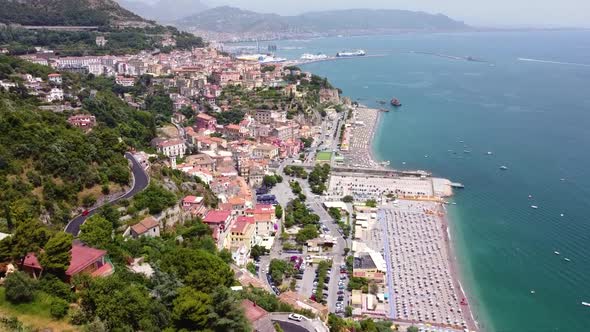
415,299
362,131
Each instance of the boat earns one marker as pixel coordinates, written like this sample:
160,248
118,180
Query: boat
489,153
395,102
556,252
383,110
533,291
586,304
345,54
567,259
534,207
503,168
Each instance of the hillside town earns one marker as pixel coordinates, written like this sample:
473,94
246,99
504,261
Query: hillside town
258,141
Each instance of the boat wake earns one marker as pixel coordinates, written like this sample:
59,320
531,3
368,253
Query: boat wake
555,62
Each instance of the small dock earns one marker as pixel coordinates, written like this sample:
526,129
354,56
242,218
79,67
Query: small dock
457,185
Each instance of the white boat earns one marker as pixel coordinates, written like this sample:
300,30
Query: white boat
556,252
503,168
561,215
351,54
489,153
586,304
534,207
567,259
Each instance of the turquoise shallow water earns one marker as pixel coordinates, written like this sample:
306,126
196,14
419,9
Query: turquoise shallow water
535,119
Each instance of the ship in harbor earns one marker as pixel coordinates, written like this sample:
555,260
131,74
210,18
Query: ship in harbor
261,58
345,54
313,57
395,102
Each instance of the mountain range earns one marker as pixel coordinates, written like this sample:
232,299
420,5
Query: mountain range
163,11
65,13
234,20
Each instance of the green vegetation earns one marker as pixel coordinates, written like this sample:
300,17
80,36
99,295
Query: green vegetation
318,178
251,268
280,269
256,251
347,199
278,211
229,117
270,302
307,233
295,187
412,329
19,288
371,203
296,171
359,283
324,156
335,214
322,271
271,180
296,213
155,198
307,142
338,324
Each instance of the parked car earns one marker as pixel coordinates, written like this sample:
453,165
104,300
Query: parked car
340,298
340,292
295,317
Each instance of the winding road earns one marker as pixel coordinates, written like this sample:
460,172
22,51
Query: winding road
140,182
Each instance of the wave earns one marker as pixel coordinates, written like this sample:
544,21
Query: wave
555,62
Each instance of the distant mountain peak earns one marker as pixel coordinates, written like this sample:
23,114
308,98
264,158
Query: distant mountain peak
226,19
163,10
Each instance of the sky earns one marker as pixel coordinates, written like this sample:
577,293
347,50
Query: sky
496,13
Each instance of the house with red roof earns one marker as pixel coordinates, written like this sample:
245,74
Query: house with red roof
205,122
84,260
219,221
147,227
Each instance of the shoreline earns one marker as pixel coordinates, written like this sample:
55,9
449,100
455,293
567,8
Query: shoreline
454,266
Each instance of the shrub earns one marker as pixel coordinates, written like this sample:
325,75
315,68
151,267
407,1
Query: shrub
20,288
58,308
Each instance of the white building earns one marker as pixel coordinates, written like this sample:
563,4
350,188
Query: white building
171,148
54,94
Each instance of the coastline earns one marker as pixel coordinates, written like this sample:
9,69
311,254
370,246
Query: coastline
454,266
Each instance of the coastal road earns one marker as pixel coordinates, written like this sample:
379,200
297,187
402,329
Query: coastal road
140,181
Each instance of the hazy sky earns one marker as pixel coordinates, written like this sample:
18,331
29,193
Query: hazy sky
476,12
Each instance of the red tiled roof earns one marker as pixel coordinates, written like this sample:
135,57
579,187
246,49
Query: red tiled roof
204,116
32,261
144,225
82,257
217,216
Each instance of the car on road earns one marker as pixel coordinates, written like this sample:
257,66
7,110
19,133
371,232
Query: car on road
340,298
85,212
340,292
295,317
341,287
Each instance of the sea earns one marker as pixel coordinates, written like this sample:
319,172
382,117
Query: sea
525,105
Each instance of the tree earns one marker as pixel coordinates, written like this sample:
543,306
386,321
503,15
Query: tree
278,211
348,311
307,233
269,181
155,198
346,251
227,313
278,328
412,329
56,257
256,251
368,325
371,203
29,236
251,268
191,309
19,287
88,201
58,308
96,232
347,199
335,214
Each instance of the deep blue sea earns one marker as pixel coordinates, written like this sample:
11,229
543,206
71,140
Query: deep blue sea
533,116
